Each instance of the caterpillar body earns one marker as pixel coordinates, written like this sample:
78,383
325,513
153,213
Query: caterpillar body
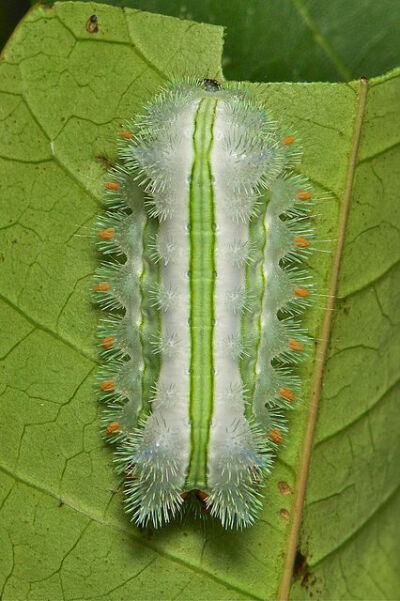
204,287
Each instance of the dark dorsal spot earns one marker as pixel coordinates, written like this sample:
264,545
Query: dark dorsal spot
211,85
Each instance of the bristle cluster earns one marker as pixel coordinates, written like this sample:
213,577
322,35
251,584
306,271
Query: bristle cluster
153,155
240,464
150,457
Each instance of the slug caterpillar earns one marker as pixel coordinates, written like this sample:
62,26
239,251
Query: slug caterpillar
204,290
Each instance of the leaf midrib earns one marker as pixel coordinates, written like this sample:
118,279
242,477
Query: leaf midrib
322,352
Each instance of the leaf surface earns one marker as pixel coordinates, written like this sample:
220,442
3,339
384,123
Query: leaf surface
63,94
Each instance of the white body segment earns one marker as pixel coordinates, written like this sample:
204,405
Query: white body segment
170,403
230,431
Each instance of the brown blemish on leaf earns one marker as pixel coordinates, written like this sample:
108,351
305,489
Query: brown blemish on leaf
284,488
92,24
308,582
100,158
300,565
301,571
284,514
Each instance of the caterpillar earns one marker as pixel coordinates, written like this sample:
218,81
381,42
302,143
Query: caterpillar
204,241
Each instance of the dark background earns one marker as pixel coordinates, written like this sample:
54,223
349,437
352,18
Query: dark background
11,11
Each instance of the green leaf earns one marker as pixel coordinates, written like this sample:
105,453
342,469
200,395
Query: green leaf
64,92
296,40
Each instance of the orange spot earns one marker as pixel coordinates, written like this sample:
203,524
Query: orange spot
296,345
303,195
107,385
103,287
202,496
288,140
184,495
275,436
301,242
107,342
284,514
127,135
114,186
284,488
204,509
112,428
302,292
287,394
106,234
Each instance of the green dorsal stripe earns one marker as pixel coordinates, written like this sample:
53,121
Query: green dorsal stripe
202,284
